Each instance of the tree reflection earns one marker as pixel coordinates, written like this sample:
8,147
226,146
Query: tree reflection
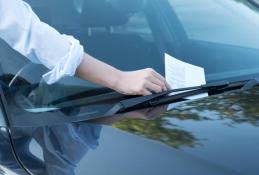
238,107
158,129
150,124
232,107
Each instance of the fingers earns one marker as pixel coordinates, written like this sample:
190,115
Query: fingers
156,111
142,82
159,80
145,92
154,87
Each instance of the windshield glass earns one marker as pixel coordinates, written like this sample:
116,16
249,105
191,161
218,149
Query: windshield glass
221,36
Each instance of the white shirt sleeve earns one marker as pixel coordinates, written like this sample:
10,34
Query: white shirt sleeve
23,31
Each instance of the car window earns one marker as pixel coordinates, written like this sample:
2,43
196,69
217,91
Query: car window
221,36
223,22
120,35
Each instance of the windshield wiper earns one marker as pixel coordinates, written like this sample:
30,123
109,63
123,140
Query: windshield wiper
181,94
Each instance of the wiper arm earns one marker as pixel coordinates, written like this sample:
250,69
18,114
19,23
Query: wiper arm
182,94
211,89
186,92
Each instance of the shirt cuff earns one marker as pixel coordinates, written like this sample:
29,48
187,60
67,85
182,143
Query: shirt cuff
68,64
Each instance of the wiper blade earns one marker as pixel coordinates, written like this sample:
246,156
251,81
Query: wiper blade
186,92
211,89
182,94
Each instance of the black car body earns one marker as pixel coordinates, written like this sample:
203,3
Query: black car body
70,127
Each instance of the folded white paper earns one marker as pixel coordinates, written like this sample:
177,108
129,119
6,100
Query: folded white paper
180,75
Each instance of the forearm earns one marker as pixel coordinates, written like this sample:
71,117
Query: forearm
98,72
64,55
140,82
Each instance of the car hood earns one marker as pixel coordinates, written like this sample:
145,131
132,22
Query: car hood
213,135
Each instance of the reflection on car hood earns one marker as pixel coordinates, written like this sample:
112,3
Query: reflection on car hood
213,135
228,110
221,129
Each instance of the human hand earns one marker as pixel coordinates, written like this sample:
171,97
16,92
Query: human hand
150,113
144,114
141,82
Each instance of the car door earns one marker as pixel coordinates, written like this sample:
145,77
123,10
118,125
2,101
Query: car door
9,162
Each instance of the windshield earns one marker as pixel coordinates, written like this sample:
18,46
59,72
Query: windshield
219,35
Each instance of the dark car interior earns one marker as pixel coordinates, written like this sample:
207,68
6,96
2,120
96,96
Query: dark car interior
105,36
106,29
123,33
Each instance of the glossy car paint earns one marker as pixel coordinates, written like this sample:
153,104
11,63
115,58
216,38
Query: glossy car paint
213,135
8,161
